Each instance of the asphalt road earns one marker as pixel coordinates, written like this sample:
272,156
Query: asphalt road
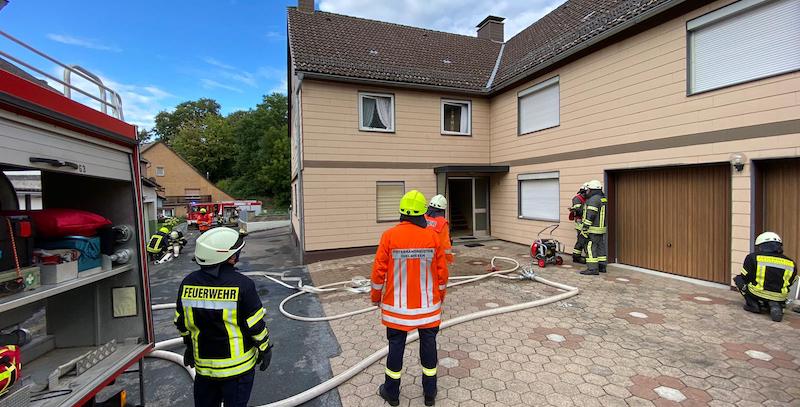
302,350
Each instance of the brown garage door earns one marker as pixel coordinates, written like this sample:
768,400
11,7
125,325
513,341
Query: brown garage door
676,220
781,209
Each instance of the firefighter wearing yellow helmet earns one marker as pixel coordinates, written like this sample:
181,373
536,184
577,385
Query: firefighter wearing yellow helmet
221,319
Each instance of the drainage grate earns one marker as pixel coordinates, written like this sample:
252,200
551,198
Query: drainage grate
474,245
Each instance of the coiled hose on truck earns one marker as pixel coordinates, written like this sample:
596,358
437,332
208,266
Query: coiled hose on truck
357,286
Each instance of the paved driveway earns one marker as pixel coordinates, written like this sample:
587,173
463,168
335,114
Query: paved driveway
628,339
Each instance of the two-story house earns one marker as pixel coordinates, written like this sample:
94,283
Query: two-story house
182,183
688,111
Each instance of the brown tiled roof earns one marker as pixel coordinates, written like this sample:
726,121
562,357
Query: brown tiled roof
346,46
569,25
358,48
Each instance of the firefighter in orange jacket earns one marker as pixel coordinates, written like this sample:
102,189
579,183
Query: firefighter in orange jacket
438,222
409,279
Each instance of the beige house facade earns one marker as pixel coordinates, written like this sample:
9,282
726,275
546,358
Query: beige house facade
181,182
698,149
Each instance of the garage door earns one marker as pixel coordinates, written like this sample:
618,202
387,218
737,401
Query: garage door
676,220
781,213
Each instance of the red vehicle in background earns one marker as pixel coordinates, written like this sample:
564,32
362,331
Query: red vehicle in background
202,221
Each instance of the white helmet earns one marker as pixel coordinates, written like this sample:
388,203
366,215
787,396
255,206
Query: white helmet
768,237
439,201
594,184
217,245
173,234
584,187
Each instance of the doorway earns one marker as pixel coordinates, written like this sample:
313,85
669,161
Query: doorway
468,206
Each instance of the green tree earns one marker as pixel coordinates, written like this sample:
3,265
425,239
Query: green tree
168,124
209,145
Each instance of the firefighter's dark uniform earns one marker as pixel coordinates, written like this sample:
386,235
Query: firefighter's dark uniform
765,279
157,243
221,317
595,225
576,212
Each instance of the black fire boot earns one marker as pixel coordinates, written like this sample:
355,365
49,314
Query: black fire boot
603,268
751,305
776,311
578,259
385,396
430,400
590,272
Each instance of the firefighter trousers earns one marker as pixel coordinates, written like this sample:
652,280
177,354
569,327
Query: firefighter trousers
235,391
394,361
597,252
580,244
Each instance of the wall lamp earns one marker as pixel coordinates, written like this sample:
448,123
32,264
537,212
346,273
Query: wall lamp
737,161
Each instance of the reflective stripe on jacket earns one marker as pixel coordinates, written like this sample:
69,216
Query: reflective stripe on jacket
224,319
10,368
441,226
577,210
594,214
409,277
157,242
769,275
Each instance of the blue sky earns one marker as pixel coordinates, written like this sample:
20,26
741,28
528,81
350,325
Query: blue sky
157,54
160,53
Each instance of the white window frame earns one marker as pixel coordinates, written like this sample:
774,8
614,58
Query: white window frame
554,81
469,117
533,177
361,96
161,172
732,10
377,212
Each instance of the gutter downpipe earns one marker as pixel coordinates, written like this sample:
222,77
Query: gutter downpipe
301,210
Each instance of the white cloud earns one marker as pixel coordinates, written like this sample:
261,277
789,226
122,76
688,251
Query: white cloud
444,15
218,64
275,36
82,42
212,84
281,87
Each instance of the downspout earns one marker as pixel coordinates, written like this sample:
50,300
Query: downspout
300,190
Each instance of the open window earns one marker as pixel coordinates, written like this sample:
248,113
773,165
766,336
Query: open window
376,112
456,117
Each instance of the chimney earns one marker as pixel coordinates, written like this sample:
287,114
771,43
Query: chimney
304,5
491,28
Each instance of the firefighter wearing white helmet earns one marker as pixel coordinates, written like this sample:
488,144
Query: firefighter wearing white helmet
221,319
595,227
438,222
766,277
576,215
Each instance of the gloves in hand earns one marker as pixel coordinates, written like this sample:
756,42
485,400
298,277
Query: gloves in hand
188,357
264,358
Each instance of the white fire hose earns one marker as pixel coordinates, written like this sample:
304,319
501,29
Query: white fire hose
358,286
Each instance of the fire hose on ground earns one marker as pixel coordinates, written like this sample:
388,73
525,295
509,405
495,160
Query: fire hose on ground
358,286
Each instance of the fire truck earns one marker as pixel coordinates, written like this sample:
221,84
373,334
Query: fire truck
84,330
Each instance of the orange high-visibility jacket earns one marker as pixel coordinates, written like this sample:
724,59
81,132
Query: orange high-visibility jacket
409,277
441,226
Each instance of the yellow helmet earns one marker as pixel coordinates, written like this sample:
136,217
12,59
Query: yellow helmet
413,203
164,230
202,210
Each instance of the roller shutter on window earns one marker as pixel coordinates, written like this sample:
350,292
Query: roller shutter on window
748,40
539,107
388,194
539,196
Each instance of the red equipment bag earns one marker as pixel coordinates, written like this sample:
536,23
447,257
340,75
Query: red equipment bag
10,367
57,223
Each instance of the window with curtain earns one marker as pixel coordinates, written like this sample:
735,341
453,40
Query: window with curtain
456,117
388,194
539,196
376,112
159,171
539,107
744,41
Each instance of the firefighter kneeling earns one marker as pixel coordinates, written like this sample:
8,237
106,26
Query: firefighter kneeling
409,279
221,319
766,277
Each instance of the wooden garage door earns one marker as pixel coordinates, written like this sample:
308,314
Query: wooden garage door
781,181
676,220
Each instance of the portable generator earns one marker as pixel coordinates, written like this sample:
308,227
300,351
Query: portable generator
545,251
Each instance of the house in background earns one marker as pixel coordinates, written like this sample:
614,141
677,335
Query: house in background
182,183
689,111
28,186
